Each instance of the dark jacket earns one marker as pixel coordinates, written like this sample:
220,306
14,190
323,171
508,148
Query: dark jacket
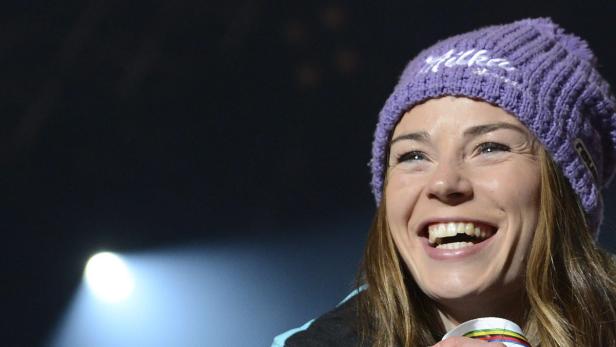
338,327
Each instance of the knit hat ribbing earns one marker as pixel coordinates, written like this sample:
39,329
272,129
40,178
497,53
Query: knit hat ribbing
534,70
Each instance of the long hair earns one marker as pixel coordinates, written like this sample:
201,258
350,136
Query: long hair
570,282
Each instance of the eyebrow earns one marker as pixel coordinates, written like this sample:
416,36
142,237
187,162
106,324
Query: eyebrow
423,136
420,136
486,128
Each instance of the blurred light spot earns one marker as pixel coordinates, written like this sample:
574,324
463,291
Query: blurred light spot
295,32
308,75
333,17
108,277
346,61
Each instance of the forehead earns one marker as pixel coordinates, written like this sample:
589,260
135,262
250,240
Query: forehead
451,114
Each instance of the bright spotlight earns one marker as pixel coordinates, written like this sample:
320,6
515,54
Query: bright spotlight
108,277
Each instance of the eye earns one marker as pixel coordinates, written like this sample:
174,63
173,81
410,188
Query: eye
492,147
411,156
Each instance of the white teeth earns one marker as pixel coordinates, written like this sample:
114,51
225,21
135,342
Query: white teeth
455,245
438,231
442,230
432,233
460,228
452,229
469,229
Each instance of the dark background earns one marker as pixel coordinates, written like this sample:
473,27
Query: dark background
136,125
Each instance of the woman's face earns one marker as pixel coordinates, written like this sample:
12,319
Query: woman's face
462,198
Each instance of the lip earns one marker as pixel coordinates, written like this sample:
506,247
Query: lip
454,254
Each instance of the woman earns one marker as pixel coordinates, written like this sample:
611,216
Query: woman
488,163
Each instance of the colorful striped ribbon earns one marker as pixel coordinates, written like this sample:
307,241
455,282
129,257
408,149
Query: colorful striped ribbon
498,335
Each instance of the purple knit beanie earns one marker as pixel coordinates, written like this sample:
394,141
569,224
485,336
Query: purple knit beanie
534,70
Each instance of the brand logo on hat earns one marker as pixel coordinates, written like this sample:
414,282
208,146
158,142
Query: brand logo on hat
586,158
468,58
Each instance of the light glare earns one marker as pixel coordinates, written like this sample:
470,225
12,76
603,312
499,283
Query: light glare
108,277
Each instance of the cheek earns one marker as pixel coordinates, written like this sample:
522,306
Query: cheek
516,195
401,194
514,189
529,205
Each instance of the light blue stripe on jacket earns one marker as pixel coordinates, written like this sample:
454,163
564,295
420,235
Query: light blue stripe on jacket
280,340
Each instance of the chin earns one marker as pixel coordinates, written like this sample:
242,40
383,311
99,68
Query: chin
460,290
455,286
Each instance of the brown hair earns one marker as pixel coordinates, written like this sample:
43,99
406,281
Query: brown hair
570,286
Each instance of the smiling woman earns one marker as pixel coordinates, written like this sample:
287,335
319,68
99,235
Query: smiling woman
488,163
455,209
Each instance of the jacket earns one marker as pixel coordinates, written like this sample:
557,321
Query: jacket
338,327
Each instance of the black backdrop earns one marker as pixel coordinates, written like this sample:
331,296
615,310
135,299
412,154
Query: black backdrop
134,125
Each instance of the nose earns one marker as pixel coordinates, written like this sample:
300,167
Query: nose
449,184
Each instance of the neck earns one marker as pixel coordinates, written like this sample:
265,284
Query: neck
456,311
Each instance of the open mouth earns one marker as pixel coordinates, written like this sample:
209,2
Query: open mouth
456,235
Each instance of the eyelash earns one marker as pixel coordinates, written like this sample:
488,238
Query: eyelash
408,156
485,147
